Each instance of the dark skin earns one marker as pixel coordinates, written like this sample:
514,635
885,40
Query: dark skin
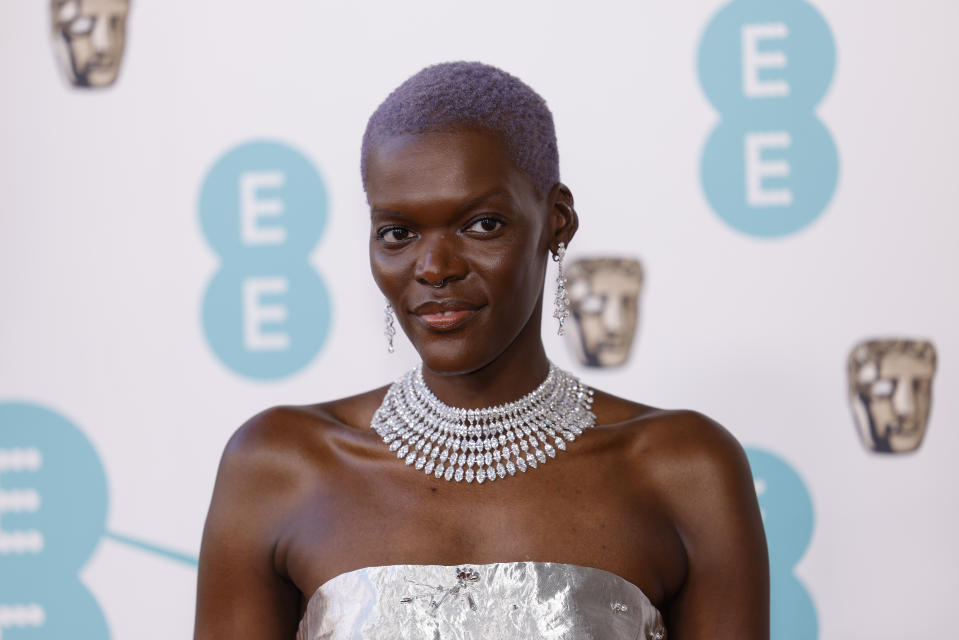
664,499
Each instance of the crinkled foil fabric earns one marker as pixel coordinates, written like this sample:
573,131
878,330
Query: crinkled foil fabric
528,600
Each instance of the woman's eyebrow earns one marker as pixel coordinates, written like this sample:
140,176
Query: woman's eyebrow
495,192
387,213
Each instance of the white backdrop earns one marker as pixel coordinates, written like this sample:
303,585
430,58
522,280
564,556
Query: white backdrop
104,266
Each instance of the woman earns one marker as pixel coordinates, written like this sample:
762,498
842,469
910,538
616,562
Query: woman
648,519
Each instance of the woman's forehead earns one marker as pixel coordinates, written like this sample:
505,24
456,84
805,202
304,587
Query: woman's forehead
447,166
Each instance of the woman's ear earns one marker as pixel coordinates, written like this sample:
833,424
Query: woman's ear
562,218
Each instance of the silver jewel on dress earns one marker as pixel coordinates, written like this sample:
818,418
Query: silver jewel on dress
561,301
482,444
465,577
389,331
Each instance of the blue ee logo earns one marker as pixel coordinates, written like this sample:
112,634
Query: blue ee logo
770,167
266,312
788,518
53,507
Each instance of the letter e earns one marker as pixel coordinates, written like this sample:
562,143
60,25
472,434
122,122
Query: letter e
754,60
256,314
757,169
253,209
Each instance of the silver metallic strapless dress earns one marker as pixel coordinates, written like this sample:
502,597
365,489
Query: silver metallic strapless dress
501,601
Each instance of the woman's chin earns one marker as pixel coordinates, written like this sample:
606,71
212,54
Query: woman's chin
452,357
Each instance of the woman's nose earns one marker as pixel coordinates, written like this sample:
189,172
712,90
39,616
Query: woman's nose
439,261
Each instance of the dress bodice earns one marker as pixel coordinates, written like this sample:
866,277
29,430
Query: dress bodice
504,600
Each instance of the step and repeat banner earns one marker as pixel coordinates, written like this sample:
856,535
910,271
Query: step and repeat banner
768,235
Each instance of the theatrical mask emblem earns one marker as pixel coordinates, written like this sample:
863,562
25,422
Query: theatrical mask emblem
890,390
89,37
604,305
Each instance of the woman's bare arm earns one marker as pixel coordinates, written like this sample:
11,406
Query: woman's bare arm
710,492
240,593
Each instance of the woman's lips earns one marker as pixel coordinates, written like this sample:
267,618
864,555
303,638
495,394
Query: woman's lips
446,314
446,320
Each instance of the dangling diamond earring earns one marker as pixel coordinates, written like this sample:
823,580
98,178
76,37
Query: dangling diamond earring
389,331
561,301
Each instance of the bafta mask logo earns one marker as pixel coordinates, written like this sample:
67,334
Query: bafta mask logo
890,390
89,37
604,305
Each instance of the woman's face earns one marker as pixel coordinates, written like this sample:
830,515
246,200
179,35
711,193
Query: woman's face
459,240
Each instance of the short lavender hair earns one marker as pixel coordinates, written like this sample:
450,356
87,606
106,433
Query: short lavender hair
471,95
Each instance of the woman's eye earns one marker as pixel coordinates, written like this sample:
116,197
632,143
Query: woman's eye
485,225
395,234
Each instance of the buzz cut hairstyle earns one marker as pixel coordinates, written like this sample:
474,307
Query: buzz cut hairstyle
452,96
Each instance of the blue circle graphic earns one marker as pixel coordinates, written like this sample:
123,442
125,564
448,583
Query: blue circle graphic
263,201
746,28
53,507
266,323
813,167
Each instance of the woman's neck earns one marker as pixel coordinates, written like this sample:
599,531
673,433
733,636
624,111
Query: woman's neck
511,375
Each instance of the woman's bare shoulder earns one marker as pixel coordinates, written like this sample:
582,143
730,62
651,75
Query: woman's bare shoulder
286,425
286,440
675,447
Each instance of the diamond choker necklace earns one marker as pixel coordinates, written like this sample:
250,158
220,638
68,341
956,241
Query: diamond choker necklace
482,444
